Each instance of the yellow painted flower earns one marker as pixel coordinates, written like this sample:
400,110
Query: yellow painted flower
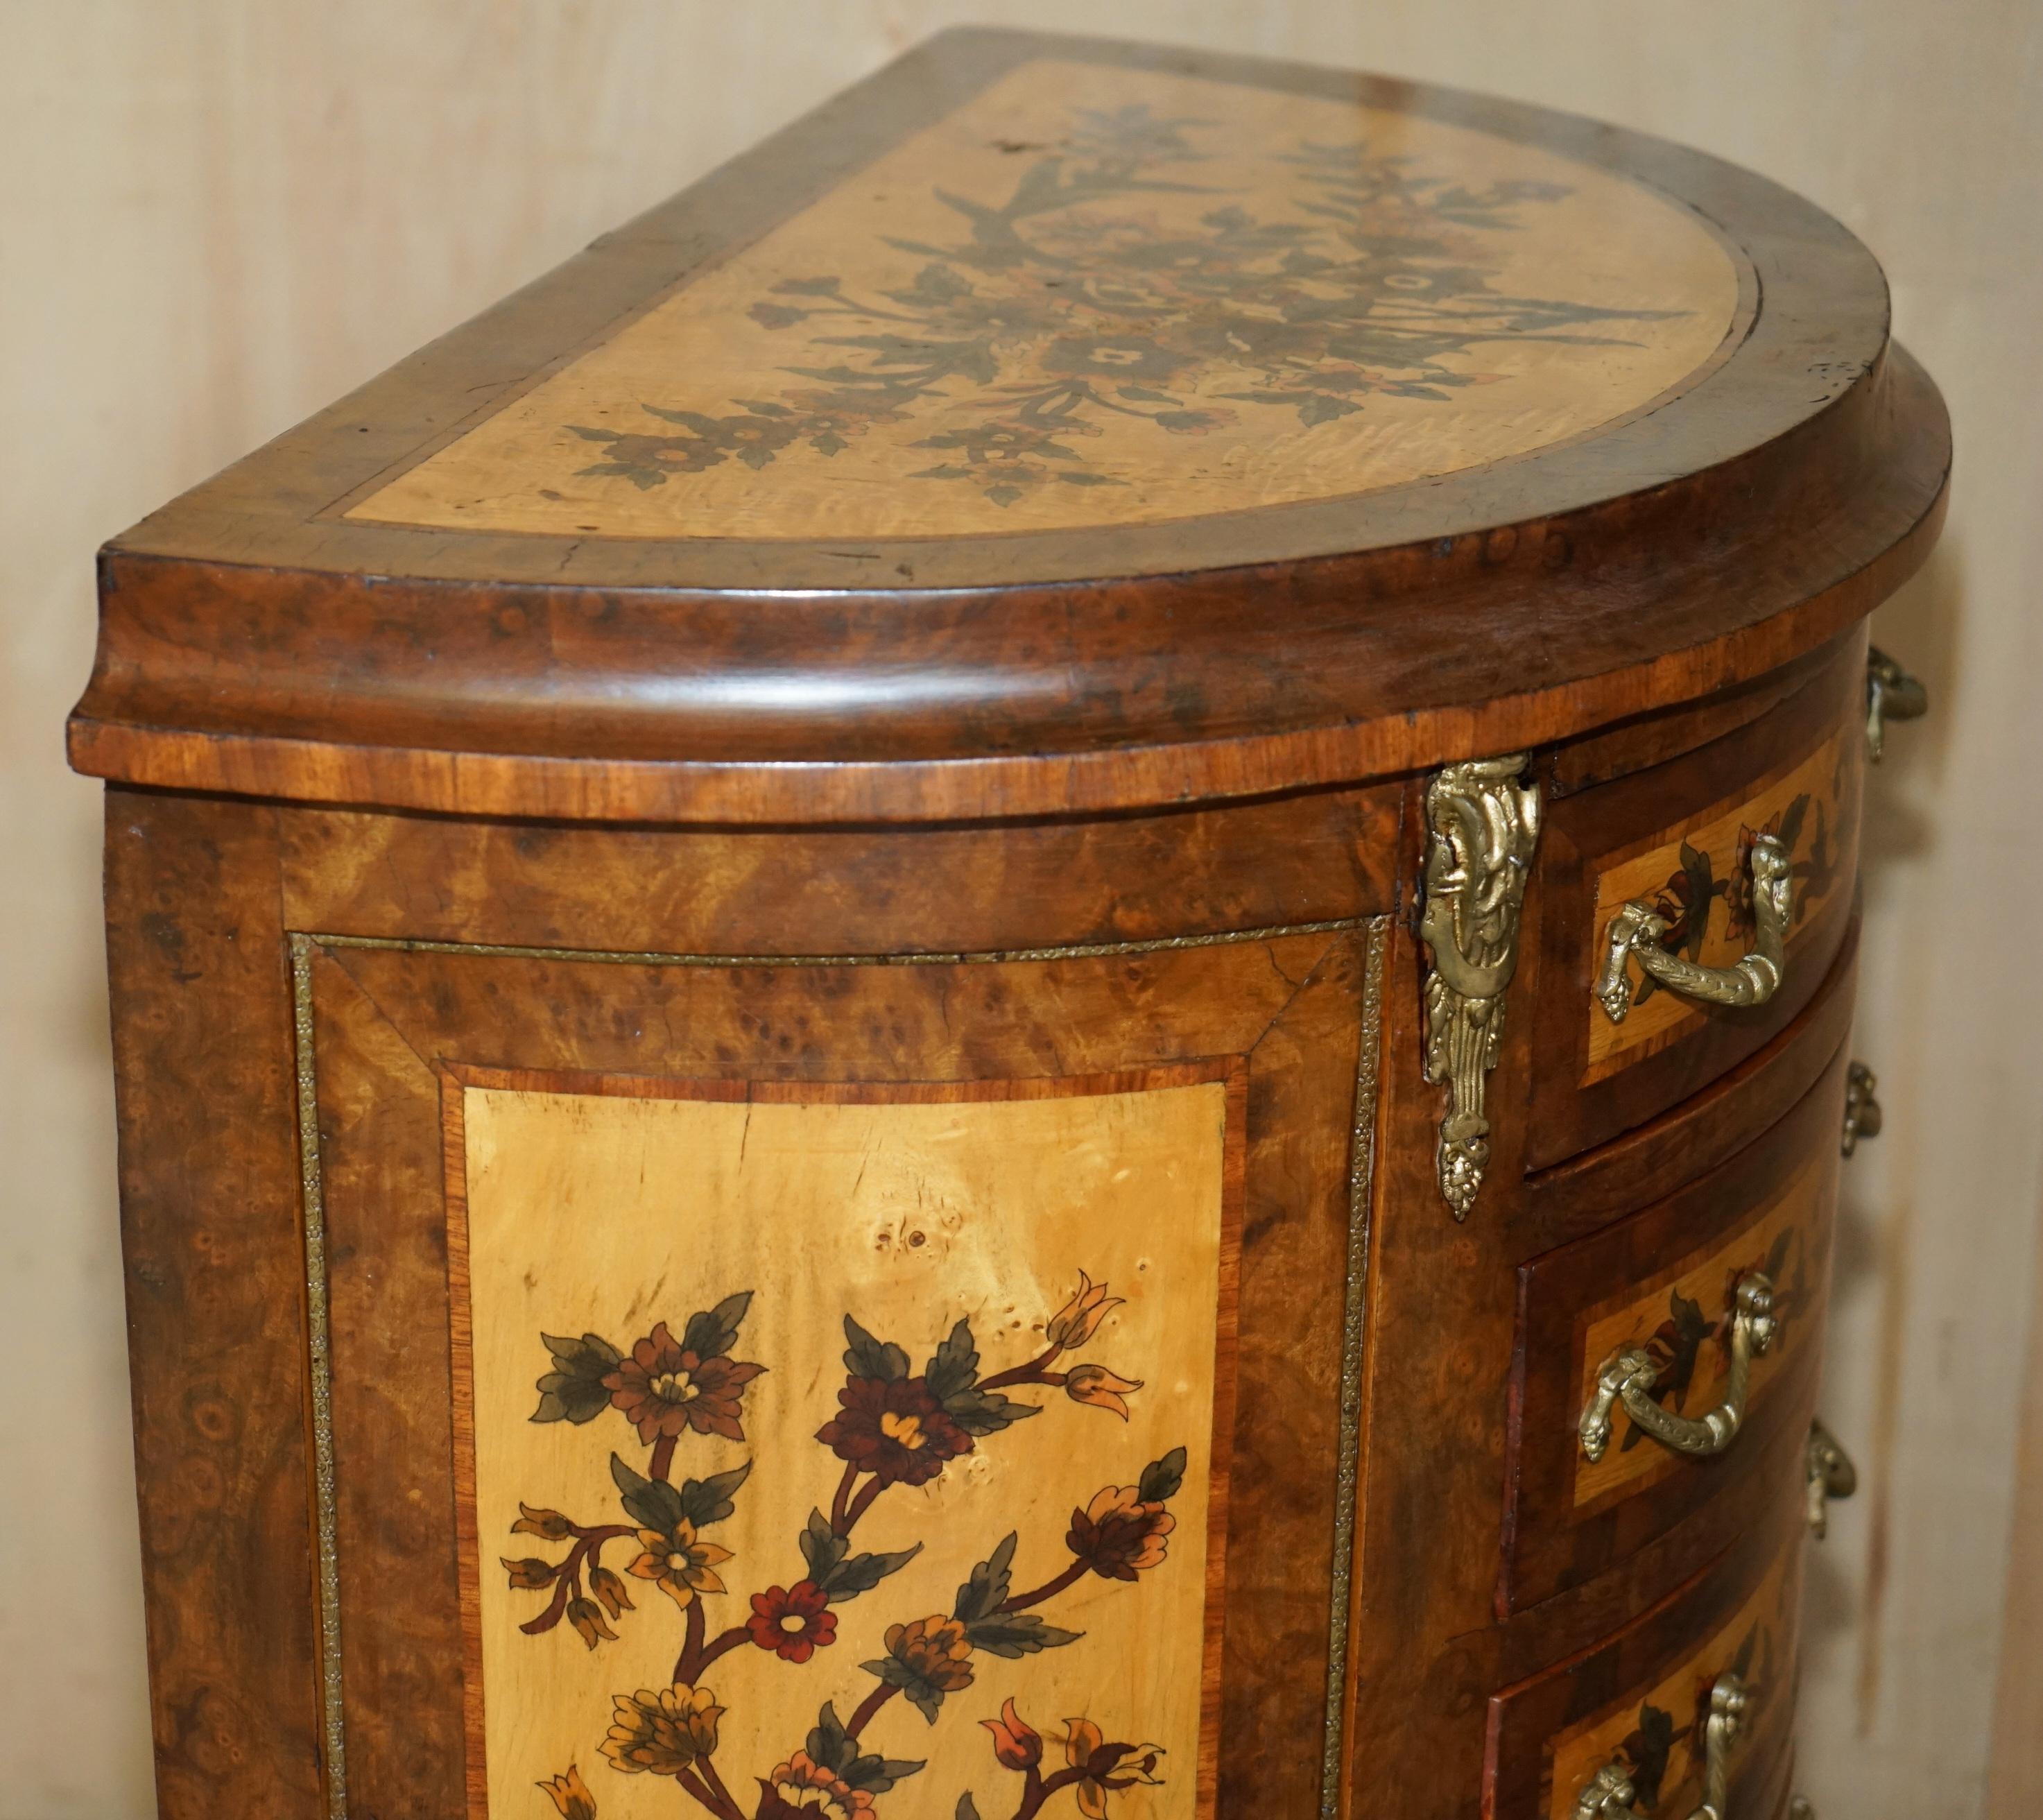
570,1795
1107,1766
662,1732
936,1649
679,1563
548,1524
1099,1389
587,1617
1075,1322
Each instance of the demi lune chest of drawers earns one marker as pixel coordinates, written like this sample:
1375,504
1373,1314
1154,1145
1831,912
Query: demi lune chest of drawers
1011,975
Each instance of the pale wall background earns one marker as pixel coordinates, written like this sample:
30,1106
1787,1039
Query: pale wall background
216,215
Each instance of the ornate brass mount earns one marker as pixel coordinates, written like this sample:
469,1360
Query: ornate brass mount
1483,821
1728,1700
1891,694
1629,1375
1863,1117
1606,1794
1831,1475
1635,930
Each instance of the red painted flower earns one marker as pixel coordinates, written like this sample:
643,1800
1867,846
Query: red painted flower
663,1389
894,1429
793,1622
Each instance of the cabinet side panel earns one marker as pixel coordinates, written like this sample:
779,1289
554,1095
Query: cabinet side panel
216,1303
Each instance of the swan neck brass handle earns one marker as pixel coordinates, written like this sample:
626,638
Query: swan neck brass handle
1831,1475
1628,1375
1636,932
1728,1699
1608,1794
1891,694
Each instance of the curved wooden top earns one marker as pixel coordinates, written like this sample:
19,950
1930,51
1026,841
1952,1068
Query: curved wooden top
1048,425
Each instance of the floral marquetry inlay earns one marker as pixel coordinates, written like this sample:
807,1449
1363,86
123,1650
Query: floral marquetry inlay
1103,296
845,1451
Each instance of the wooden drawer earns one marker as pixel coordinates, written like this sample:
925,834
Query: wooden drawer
1667,1281
1678,837
1641,1701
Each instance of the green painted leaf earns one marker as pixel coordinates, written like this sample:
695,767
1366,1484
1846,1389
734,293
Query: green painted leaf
867,1357
876,1775
979,1412
715,1332
1161,1478
651,1502
956,1366
1013,1633
986,1591
710,1500
828,1745
861,1573
573,1391
823,1548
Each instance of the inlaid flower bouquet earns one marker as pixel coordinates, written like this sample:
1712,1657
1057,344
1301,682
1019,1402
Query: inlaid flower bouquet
893,1425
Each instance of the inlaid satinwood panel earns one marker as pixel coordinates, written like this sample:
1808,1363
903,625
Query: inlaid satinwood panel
1098,296
699,1255
589,1194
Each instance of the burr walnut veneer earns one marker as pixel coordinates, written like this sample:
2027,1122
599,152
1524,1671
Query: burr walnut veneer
1011,975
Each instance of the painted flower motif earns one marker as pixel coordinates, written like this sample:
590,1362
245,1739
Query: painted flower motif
1106,1766
1099,1389
530,1574
793,1622
680,1562
935,1650
802,1785
894,1429
570,1794
1118,1535
589,1623
1113,356
548,1525
663,1389
611,1590
663,1731
1016,1743
1079,1318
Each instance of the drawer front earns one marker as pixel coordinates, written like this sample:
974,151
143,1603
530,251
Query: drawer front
1638,1707
1678,840
1736,1265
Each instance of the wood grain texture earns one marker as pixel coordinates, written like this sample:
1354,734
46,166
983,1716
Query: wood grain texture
1092,295
215,1304
254,642
911,1208
1772,1205
1629,830
1007,1032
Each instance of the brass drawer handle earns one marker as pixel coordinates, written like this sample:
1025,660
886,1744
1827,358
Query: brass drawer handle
1891,694
1635,930
1726,1720
1831,1475
1609,1793
1629,1375
1863,1117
